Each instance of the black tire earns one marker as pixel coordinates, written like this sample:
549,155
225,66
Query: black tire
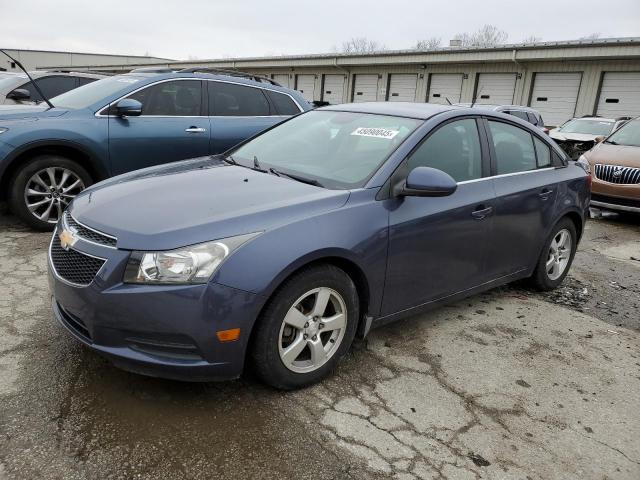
17,201
540,278
265,356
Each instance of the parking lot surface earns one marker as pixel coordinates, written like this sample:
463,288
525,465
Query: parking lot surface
508,384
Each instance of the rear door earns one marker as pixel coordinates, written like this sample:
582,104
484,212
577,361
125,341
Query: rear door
237,112
173,126
526,187
437,245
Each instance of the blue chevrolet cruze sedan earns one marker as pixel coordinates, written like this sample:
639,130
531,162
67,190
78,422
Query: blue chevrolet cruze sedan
127,122
279,252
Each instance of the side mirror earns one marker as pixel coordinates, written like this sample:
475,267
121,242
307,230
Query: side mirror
19,94
426,182
128,107
599,138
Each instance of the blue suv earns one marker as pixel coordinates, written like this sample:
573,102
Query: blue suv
124,123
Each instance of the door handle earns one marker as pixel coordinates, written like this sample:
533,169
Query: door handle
545,193
194,129
481,212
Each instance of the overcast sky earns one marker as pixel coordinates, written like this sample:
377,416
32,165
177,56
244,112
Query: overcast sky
215,29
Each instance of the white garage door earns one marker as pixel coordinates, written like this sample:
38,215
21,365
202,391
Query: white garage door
282,79
496,88
620,95
365,88
306,85
445,86
554,96
402,88
333,91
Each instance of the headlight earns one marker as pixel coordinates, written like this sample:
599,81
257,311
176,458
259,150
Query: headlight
3,129
584,163
194,264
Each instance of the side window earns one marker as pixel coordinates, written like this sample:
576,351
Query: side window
520,114
543,153
50,86
454,148
513,147
233,100
84,80
532,118
283,103
177,98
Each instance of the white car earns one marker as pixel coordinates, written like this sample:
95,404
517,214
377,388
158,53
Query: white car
578,135
16,88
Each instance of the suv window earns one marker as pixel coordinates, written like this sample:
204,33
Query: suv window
513,147
283,103
454,148
233,100
533,118
50,86
176,98
520,114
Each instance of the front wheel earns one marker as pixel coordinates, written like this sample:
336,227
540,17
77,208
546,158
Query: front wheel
44,187
556,257
308,325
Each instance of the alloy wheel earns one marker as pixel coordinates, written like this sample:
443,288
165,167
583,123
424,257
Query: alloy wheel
49,191
559,254
312,330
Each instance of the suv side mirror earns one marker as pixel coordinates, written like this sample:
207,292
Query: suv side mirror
19,94
426,182
599,138
128,107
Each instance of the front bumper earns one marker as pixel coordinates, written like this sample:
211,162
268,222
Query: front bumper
163,331
615,203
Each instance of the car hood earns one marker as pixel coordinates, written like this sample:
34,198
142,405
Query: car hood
571,137
195,201
608,154
26,112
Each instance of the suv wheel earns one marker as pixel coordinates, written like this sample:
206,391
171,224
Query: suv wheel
44,187
556,257
306,328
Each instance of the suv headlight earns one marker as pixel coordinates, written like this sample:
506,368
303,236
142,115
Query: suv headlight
193,264
584,163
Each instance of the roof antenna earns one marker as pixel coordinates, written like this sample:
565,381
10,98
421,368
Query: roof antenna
475,98
448,101
32,82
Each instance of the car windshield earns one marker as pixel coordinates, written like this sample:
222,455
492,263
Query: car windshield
588,127
87,95
334,149
628,134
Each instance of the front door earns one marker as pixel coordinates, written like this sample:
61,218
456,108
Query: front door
172,127
437,245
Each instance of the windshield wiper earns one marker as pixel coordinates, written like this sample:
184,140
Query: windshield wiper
611,142
229,159
256,165
298,178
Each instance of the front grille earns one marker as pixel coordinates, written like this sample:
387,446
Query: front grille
88,233
73,266
618,174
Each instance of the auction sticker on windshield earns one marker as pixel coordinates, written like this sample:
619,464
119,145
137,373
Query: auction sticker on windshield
375,132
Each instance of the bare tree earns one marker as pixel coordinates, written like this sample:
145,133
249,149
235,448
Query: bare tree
487,36
531,39
428,43
362,45
591,36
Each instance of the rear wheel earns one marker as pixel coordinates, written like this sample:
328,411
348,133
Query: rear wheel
307,327
556,257
44,187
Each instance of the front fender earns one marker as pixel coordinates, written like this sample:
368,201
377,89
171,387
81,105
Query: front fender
356,233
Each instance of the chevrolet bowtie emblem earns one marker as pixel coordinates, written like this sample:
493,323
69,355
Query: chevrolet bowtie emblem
67,239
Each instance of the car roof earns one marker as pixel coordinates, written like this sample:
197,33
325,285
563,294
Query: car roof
420,111
601,119
493,106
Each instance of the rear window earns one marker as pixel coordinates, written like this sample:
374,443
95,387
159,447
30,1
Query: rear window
283,103
588,127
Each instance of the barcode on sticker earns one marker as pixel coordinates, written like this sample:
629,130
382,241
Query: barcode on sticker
375,132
